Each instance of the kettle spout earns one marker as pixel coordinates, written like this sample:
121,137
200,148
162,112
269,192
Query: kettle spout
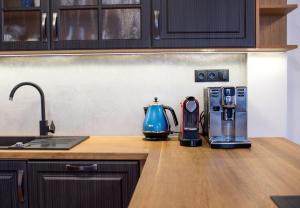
145,110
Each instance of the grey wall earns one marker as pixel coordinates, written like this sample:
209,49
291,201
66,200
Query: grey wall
293,124
103,95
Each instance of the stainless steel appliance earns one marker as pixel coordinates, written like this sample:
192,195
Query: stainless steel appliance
225,117
41,142
189,133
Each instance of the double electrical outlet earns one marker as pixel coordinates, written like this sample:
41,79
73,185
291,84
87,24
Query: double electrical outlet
212,75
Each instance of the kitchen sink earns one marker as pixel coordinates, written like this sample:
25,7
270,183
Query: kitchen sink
40,142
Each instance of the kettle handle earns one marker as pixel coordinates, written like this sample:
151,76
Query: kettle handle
145,109
173,114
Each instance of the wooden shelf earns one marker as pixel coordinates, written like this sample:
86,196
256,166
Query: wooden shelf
291,47
279,48
277,9
144,51
271,24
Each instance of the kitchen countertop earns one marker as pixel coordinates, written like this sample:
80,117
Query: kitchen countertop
175,176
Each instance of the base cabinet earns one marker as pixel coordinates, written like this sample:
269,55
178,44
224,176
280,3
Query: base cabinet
13,184
61,184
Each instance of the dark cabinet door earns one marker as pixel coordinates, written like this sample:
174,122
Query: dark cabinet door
90,184
94,24
24,25
203,23
125,24
75,24
13,184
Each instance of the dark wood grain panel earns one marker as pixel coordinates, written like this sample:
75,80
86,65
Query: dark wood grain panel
211,16
9,184
204,23
111,185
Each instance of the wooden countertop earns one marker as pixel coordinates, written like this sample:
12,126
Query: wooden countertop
175,176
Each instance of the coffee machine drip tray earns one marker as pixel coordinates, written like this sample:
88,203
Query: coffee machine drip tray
222,142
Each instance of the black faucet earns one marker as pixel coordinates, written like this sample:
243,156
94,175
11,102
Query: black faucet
44,127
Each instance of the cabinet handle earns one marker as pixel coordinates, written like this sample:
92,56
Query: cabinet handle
54,26
44,29
156,25
20,186
83,168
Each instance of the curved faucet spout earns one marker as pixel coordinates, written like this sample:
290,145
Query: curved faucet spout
44,127
39,89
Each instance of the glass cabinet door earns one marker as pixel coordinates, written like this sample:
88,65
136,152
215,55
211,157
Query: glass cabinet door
93,24
75,24
125,23
121,24
24,25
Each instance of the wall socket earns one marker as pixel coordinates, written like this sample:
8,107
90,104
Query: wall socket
212,75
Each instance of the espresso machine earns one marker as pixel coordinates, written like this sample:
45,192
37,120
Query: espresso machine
225,117
189,134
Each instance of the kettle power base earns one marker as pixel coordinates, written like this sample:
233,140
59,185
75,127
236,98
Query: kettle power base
156,136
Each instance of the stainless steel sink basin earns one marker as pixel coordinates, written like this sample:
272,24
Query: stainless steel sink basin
41,142
9,141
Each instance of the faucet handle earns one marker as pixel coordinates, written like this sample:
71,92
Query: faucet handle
52,127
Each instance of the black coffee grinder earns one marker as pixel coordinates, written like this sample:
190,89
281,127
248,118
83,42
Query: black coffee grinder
189,135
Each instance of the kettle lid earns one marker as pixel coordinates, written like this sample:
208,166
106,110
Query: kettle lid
155,102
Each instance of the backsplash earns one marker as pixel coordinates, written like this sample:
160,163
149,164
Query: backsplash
105,94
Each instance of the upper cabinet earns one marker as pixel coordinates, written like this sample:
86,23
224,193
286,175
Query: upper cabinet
24,24
203,23
92,24
74,24
218,25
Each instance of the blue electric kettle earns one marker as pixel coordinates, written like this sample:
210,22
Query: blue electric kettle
156,123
